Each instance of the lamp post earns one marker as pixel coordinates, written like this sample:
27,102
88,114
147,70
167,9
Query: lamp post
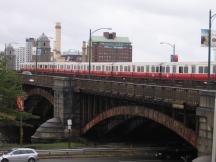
90,42
69,122
209,80
209,46
171,45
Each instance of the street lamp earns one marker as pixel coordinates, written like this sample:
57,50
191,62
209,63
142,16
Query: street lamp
69,123
90,42
209,80
209,46
171,45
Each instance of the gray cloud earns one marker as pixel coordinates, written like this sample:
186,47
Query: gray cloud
146,23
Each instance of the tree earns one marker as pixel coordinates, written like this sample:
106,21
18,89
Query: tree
10,88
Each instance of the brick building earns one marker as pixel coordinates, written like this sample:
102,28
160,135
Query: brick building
110,48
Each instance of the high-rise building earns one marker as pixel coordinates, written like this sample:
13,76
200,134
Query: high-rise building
10,57
110,48
30,43
20,53
43,50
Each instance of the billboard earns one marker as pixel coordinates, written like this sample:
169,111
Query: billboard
20,103
204,38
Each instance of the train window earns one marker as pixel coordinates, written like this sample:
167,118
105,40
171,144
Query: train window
45,67
128,68
157,69
107,68
153,69
98,68
214,69
206,69
41,66
147,68
200,69
116,68
125,68
174,69
133,68
180,69
102,67
193,69
121,68
138,68
162,69
93,68
142,68
186,69
167,69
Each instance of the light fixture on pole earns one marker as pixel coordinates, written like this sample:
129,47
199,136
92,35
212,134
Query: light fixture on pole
90,42
209,46
174,57
69,122
209,80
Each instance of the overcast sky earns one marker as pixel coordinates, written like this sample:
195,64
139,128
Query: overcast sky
145,22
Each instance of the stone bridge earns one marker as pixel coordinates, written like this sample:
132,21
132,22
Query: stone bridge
89,101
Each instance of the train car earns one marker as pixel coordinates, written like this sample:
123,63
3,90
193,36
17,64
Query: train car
161,70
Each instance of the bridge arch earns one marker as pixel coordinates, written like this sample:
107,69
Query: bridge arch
179,128
41,92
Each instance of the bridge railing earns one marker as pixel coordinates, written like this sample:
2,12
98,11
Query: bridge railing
123,89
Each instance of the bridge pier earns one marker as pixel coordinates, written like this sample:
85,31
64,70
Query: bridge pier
65,107
205,115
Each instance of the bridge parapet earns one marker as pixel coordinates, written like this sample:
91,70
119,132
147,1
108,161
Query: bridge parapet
123,89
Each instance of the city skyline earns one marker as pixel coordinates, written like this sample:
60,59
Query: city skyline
145,23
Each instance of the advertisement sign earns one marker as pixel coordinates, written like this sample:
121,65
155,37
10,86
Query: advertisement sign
204,38
20,103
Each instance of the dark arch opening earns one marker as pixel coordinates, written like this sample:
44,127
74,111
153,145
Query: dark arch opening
140,132
40,106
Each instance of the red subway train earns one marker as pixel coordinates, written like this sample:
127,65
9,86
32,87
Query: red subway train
163,70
